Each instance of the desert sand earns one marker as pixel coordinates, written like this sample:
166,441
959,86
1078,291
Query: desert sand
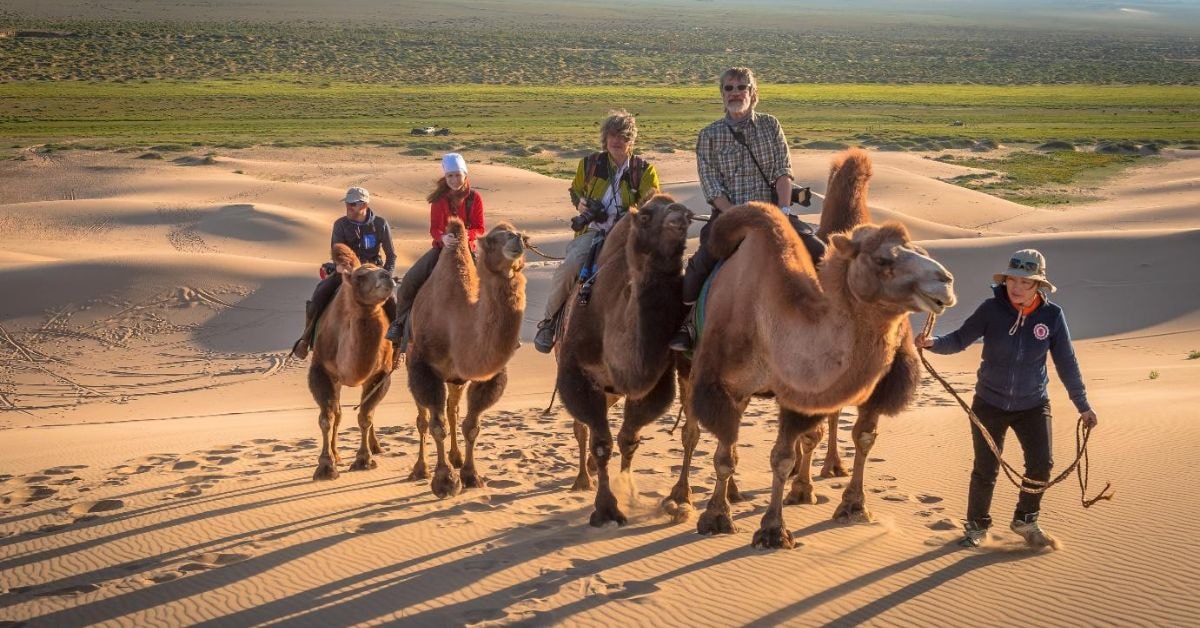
157,445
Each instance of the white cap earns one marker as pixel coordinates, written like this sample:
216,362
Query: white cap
453,162
356,195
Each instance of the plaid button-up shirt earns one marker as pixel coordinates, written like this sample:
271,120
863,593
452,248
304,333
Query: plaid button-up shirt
726,167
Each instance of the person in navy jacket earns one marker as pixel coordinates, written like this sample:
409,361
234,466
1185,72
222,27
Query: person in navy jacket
1019,327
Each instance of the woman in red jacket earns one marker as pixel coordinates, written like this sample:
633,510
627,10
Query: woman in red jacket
452,197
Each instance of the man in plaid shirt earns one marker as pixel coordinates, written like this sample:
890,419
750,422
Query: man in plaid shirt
736,156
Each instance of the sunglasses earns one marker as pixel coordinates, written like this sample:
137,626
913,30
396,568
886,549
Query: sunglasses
1025,265
740,87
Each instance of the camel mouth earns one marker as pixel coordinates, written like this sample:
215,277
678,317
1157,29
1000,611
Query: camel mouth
932,303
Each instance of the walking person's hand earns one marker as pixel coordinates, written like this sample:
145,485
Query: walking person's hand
923,341
1089,419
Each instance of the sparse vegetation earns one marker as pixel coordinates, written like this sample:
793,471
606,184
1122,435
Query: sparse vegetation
1153,374
1040,178
1193,355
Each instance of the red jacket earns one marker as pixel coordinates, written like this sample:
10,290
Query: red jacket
440,213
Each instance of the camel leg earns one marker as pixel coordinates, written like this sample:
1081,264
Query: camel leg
325,392
833,459
583,481
853,507
679,501
480,397
588,404
452,399
802,486
640,412
366,422
420,470
773,532
430,391
720,414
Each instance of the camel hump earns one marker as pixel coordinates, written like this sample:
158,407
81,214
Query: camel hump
737,222
845,205
456,226
345,256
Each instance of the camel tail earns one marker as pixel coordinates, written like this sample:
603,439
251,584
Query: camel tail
845,205
738,222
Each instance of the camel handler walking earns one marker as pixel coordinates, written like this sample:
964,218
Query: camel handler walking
367,234
606,185
1019,326
742,157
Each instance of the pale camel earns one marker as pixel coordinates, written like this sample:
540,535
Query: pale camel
350,350
466,324
616,345
817,342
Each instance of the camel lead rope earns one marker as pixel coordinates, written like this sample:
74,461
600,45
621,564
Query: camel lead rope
1082,434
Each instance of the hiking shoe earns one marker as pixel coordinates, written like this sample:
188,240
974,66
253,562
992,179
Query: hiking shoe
395,331
1033,533
300,349
973,535
682,340
543,341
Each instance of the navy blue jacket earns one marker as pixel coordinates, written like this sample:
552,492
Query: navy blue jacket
1012,375
366,238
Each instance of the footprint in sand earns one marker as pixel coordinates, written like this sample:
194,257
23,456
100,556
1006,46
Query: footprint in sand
942,524
65,469
26,495
928,499
184,465
495,484
103,505
212,560
71,590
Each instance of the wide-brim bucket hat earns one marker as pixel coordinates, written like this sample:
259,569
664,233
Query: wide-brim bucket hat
1026,264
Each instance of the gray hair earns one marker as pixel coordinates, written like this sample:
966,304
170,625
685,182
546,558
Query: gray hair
618,122
741,74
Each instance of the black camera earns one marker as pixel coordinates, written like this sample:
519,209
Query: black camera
595,213
801,195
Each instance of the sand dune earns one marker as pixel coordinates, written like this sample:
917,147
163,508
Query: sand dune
157,447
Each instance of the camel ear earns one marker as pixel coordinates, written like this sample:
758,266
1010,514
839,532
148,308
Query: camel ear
844,244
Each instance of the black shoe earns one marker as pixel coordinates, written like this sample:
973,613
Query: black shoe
300,349
395,331
682,340
543,341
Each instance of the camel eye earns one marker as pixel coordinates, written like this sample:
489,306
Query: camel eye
884,262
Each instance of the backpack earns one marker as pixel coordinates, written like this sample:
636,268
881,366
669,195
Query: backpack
596,165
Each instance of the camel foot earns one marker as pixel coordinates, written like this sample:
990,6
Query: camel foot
363,465
607,510
583,482
677,511
420,471
456,459
801,496
681,495
376,449
773,537
833,471
446,482
852,512
325,471
471,479
715,523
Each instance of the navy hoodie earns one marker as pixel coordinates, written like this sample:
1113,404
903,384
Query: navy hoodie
366,238
1012,375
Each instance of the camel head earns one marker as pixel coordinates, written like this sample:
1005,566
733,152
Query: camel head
369,284
502,250
883,266
660,227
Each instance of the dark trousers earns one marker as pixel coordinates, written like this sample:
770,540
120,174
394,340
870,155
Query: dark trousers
416,277
701,265
1033,430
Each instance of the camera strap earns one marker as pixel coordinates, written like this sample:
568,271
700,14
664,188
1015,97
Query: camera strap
740,137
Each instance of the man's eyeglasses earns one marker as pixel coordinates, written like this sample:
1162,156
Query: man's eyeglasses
1026,265
740,87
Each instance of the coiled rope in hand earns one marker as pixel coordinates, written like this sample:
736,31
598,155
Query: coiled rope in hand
1026,485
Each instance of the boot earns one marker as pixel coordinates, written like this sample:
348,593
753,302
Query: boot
686,335
398,335
300,349
543,341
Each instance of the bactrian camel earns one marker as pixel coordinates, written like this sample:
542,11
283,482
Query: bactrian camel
350,350
816,342
616,345
466,324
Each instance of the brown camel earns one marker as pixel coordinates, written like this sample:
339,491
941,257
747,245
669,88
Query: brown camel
617,343
350,350
816,341
466,324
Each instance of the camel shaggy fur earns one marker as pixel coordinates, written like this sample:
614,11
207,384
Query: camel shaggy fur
466,324
350,350
817,342
616,345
